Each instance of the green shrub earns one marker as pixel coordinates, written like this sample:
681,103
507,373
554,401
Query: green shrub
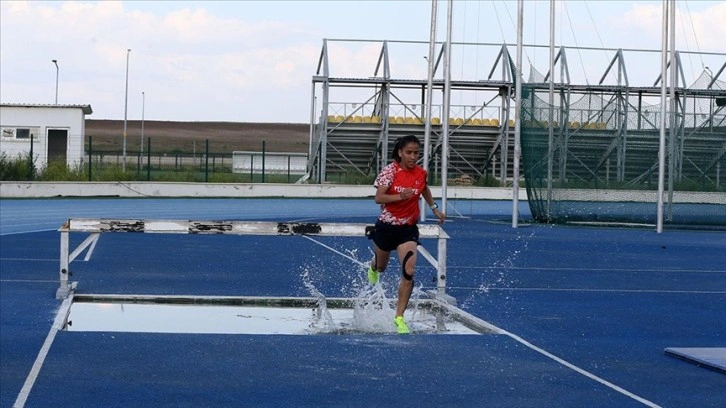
57,170
18,169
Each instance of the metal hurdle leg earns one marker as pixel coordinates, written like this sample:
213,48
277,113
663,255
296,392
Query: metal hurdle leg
64,290
66,287
441,269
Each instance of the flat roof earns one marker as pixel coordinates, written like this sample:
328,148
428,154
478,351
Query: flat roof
86,108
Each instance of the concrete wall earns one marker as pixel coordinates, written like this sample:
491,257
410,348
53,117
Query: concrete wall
41,119
199,190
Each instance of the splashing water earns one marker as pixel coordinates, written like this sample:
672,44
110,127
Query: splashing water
321,313
373,312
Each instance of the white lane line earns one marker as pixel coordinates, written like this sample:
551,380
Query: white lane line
93,246
565,269
687,292
581,371
60,319
30,280
363,264
27,232
29,259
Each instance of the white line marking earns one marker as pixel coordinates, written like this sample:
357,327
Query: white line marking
581,371
548,269
30,280
692,292
93,246
60,318
363,264
29,259
27,232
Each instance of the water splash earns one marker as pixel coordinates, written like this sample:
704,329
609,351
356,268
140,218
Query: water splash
322,314
373,312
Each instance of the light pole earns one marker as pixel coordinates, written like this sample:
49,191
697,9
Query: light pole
56,80
126,106
143,104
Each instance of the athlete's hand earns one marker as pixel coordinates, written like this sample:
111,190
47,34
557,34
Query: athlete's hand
440,215
406,193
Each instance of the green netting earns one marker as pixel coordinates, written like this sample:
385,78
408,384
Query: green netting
599,163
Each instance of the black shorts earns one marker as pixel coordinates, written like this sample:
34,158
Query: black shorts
388,237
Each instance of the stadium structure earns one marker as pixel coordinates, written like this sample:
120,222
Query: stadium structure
589,151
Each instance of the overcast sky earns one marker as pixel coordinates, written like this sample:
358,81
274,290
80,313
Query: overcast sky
253,61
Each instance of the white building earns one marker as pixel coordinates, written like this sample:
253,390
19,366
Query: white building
53,132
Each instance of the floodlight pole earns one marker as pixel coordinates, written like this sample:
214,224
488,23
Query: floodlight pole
429,97
126,105
57,70
517,115
447,107
143,108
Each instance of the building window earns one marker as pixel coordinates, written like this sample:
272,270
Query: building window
21,133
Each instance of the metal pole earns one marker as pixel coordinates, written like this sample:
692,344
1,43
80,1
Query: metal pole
126,105
661,142
429,97
673,134
517,116
143,108
57,70
550,118
447,106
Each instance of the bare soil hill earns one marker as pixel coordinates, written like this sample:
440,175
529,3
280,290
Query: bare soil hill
224,137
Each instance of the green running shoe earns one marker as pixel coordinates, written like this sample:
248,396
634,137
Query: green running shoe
401,326
373,276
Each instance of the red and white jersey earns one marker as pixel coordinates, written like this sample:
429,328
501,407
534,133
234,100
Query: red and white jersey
397,179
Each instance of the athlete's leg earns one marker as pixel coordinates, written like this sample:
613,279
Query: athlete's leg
378,264
407,256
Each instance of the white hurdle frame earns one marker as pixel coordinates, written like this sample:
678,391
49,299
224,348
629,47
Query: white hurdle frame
97,226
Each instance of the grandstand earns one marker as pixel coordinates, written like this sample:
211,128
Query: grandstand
591,138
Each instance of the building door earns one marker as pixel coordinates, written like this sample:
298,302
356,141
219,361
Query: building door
57,145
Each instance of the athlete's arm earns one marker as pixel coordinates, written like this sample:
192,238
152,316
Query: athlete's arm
429,198
382,196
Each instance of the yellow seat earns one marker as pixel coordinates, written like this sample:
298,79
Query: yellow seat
477,122
435,121
375,119
331,118
459,121
339,118
511,123
400,120
494,122
357,119
575,124
417,121
408,120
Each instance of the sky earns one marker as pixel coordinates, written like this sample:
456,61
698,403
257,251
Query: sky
253,61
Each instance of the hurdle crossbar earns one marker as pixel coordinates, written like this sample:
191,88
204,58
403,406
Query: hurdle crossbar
99,226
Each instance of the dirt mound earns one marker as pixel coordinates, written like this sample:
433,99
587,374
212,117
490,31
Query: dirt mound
224,137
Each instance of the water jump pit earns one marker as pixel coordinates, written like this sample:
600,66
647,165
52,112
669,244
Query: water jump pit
371,315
